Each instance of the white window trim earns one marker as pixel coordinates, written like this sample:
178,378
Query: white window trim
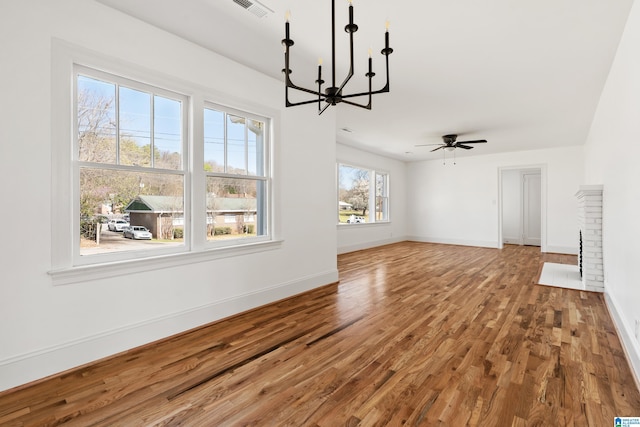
78,259
372,194
267,167
387,185
64,268
85,273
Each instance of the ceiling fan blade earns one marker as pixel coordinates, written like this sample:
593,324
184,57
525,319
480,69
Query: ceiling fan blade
436,149
477,141
466,147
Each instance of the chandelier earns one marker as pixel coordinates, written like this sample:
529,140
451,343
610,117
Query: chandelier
334,94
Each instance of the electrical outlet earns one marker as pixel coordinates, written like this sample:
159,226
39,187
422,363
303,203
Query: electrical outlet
637,329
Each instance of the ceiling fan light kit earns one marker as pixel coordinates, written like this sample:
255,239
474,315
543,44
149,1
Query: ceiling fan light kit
334,94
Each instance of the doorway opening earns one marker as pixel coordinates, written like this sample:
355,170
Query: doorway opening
522,206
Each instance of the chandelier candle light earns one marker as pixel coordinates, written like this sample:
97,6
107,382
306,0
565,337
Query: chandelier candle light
334,95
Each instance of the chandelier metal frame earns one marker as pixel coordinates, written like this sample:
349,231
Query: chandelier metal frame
334,94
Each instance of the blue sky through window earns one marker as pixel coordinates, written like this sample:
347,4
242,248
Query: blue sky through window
348,176
135,110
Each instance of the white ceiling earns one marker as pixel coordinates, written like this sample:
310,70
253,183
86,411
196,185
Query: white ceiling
522,74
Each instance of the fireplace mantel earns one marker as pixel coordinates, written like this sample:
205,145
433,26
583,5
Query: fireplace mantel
584,190
590,225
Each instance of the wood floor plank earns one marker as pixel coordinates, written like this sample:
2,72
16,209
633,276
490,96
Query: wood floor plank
413,334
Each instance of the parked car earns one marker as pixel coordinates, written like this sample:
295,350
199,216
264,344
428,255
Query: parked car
355,219
137,232
117,224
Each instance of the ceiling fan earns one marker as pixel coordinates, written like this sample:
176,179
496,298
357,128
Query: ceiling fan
450,144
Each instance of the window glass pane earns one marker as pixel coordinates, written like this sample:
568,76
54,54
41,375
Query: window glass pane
353,193
382,208
381,185
96,112
167,133
382,200
236,145
118,199
213,140
135,127
255,148
235,208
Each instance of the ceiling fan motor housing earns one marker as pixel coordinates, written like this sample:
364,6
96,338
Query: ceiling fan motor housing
449,139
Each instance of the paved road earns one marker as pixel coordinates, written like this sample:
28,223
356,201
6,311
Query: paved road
112,241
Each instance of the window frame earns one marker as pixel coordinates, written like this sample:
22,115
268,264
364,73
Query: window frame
384,196
65,185
373,174
77,164
265,178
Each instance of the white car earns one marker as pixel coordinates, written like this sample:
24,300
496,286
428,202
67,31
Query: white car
117,224
353,219
137,232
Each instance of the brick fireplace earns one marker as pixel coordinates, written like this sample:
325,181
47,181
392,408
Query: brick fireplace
590,235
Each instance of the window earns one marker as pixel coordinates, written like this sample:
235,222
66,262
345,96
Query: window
235,169
130,163
382,197
138,155
363,195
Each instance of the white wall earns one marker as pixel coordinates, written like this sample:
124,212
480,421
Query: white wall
611,157
458,204
362,236
45,329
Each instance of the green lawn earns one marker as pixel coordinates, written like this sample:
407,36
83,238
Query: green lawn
344,215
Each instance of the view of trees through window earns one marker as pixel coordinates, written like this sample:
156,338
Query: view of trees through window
131,167
130,164
151,171
361,192
234,163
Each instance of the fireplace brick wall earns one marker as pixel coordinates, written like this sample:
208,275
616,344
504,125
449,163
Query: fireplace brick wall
590,226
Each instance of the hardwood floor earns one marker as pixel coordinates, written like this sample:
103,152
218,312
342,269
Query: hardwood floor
414,334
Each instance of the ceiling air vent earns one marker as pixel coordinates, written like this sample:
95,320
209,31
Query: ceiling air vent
255,7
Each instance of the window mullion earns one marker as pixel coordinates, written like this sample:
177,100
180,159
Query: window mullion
117,108
246,146
196,181
225,142
232,176
372,195
139,169
152,136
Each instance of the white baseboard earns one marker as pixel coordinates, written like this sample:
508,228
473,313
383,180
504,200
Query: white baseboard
511,240
569,250
369,245
39,364
629,343
460,242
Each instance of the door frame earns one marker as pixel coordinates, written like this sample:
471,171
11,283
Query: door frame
543,201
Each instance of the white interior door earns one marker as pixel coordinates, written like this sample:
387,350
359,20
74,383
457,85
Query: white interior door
512,207
532,220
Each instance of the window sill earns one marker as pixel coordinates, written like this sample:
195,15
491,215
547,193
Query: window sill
120,268
363,224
